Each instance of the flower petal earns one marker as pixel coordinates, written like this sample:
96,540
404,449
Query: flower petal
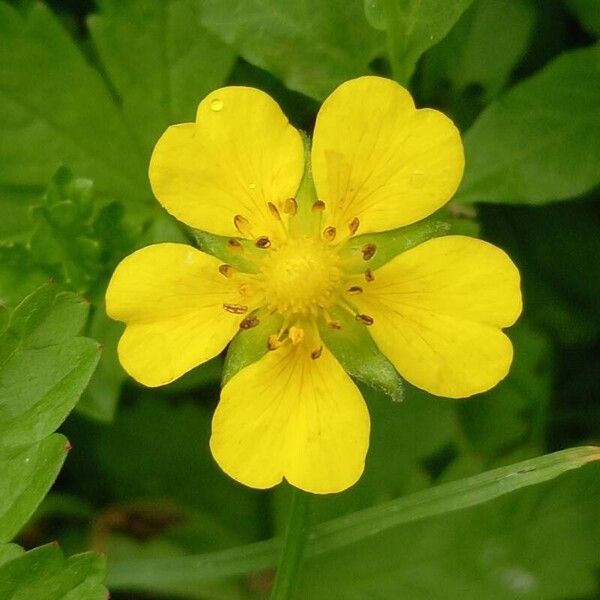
171,297
438,309
292,416
377,158
240,154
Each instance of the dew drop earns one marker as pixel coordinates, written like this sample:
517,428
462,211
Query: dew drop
216,105
418,179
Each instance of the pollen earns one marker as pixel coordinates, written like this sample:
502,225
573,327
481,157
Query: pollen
301,277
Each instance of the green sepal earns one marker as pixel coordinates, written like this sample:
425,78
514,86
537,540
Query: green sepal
249,345
356,351
218,246
390,244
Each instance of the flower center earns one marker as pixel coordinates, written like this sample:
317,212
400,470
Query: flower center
301,277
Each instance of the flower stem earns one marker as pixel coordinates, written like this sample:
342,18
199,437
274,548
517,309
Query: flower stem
288,571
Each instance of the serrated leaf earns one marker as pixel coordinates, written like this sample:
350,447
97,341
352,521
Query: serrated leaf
54,108
312,46
356,351
27,475
44,574
44,369
160,60
540,142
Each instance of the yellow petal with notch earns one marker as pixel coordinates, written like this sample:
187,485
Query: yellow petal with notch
438,310
171,298
294,417
377,158
239,155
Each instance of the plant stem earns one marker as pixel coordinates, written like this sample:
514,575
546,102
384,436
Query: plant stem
288,571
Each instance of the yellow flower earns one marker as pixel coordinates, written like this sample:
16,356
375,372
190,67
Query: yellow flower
436,310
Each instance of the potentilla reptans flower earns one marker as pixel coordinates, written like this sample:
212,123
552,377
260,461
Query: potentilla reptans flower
290,220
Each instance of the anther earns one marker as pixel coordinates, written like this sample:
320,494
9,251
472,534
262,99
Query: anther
245,289
332,324
318,206
329,233
262,242
274,211
234,246
353,226
236,309
249,322
273,342
365,319
369,275
368,251
355,289
241,224
316,353
290,206
226,270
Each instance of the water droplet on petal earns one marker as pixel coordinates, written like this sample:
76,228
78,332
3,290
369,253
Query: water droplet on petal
216,105
418,178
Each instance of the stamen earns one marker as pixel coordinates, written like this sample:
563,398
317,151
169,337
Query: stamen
333,324
249,322
365,319
318,206
262,242
241,224
290,206
354,224
234,246
273,342
296,334
329,233
316,353
226,270
274,211
368,251
236,309
355,289
369,275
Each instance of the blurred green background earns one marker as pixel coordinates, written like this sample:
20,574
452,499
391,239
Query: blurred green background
90,87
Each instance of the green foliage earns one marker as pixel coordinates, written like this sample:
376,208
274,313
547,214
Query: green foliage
44,368
412,27
459,500
44,574
527,146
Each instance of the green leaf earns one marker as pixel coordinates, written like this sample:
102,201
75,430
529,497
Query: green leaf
160,60
44,367
44,574
588,13
375,526
356,351
312,46
55,109
540,142
27,475
413,26
482,49
46,371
